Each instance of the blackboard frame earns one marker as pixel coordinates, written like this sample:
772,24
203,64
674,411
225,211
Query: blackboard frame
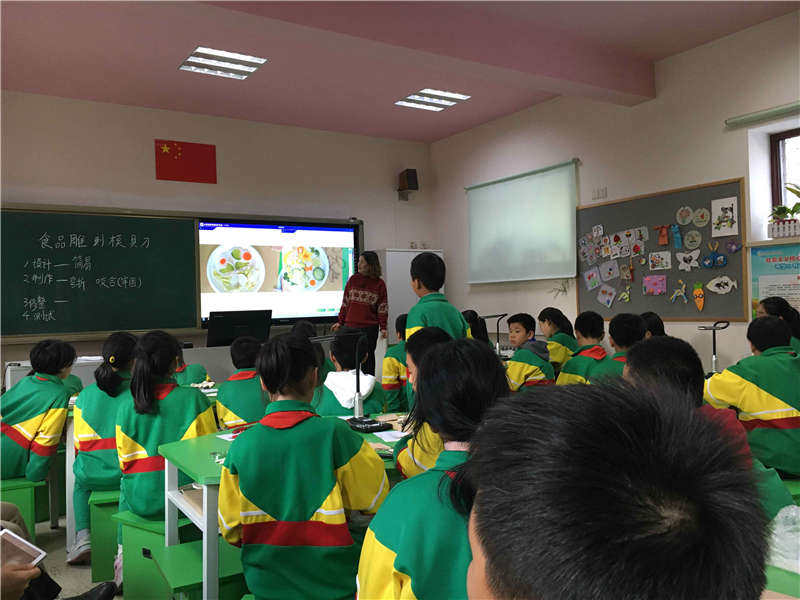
584,298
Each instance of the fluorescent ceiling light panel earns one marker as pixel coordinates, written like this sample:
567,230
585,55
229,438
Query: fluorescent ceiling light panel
418,105
221,63
224,54
443,94
205,71
431,100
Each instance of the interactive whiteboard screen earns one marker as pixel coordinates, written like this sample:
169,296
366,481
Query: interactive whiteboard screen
523,227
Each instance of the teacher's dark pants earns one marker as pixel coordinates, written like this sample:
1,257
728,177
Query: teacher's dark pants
372,341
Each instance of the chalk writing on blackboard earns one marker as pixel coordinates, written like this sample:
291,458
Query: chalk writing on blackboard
58,241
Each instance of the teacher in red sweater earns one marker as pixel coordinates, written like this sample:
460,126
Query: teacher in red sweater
365,305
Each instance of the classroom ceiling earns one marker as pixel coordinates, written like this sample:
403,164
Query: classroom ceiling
340,66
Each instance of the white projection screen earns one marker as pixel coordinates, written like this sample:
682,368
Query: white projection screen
523,227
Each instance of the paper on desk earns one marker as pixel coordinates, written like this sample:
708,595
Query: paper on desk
82,359
229,437
391,436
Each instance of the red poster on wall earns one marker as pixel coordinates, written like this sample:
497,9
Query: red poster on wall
184,161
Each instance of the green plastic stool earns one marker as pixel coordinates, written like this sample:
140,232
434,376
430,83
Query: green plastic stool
248,597
181,567
102,507
54,491
793,485
141,579
22,492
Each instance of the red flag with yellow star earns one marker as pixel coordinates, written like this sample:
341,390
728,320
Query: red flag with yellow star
184,161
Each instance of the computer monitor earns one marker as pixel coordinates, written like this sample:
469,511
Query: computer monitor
226,326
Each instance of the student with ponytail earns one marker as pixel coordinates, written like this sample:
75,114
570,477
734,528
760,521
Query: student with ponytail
561,342
96,466
779,307
288,480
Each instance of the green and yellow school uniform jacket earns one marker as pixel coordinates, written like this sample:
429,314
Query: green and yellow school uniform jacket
561,347
581,367
326,403
434,310
765,389
33,413
416,454
73,384
95,414
240,399
394,376
526,368
183,413
416,529
611,366
189,374
284,489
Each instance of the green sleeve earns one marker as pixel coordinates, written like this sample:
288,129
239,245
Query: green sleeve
396,400
374,403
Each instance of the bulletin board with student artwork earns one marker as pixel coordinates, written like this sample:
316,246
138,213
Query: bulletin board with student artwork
677,253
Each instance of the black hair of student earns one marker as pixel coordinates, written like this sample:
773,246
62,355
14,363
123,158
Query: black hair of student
477,325
626,329
416,347
284,363
779,307
767,332
524,319
400,325
590,325
653,323
179,355
118,353
155,355
557,318
349,348
50,356
429,269
244,351
373,264
455,386
627,495
667,361
304,328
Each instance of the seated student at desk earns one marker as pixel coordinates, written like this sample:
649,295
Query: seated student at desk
779,307
34,412
338,394
241,399
96,465
624,330
189,374
654,324
589,331
561,342
530,363
394,373
287,482
73,384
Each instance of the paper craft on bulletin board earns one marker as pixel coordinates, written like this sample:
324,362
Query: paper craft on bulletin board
677,253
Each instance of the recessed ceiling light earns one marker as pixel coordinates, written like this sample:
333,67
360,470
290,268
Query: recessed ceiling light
418,105
432,100
234,65
453,95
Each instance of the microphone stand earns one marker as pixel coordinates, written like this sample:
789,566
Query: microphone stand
499,318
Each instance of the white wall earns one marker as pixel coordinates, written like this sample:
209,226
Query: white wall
678,139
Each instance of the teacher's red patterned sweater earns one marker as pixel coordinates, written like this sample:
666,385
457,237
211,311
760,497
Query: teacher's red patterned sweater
364,303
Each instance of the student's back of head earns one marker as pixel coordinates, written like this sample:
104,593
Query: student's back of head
428,268
558,321
477,325
416,347
304,328
625,329
244,351
51,356
767,332
349,347
156,355
662,361
287,365
589,324
779,307
611,493
400,325
118,353
654,324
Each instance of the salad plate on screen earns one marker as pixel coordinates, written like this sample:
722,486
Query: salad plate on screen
234,269
303,269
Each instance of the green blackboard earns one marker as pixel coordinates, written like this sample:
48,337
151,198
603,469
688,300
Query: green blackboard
70,272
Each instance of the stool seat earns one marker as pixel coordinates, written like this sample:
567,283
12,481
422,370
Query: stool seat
102,507
793,485
22,493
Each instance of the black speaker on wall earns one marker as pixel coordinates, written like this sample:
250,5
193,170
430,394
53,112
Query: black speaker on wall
408,181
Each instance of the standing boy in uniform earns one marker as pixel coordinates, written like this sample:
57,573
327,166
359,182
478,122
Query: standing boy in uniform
624,331
241,399
394,371
433,309
530,364
589,332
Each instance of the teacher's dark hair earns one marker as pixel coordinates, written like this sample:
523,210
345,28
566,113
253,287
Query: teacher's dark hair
373,264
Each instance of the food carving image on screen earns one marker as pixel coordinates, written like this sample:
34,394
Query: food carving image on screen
235,269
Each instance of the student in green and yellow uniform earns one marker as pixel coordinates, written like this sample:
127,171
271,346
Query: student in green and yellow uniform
154,411
624,330
34,412
309,330
654,324
241,399
530,364
73,384
433,309
287,482
765,390
589,331
417,523
394,373
779,307
189,374
418,451
561,342
348,352
96,465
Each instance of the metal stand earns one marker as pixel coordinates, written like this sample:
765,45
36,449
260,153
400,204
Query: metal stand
499,318
717,326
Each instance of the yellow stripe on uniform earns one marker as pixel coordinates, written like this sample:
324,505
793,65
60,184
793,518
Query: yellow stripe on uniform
377,577
367,491
49,432
204,423
127,449
411,331
568,378
729,389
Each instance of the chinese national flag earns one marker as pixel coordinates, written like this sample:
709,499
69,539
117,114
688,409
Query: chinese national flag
183,161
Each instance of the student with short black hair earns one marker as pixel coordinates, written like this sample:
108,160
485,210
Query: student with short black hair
241,399
337,398
189,374
561,342
589,332
394,373
686,524
96,464
417,522
765,390
654,324
433,309
34,412
530,363
477,325
288,480
779,307
624,330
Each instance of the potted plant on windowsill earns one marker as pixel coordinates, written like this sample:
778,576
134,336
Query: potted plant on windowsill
783,219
